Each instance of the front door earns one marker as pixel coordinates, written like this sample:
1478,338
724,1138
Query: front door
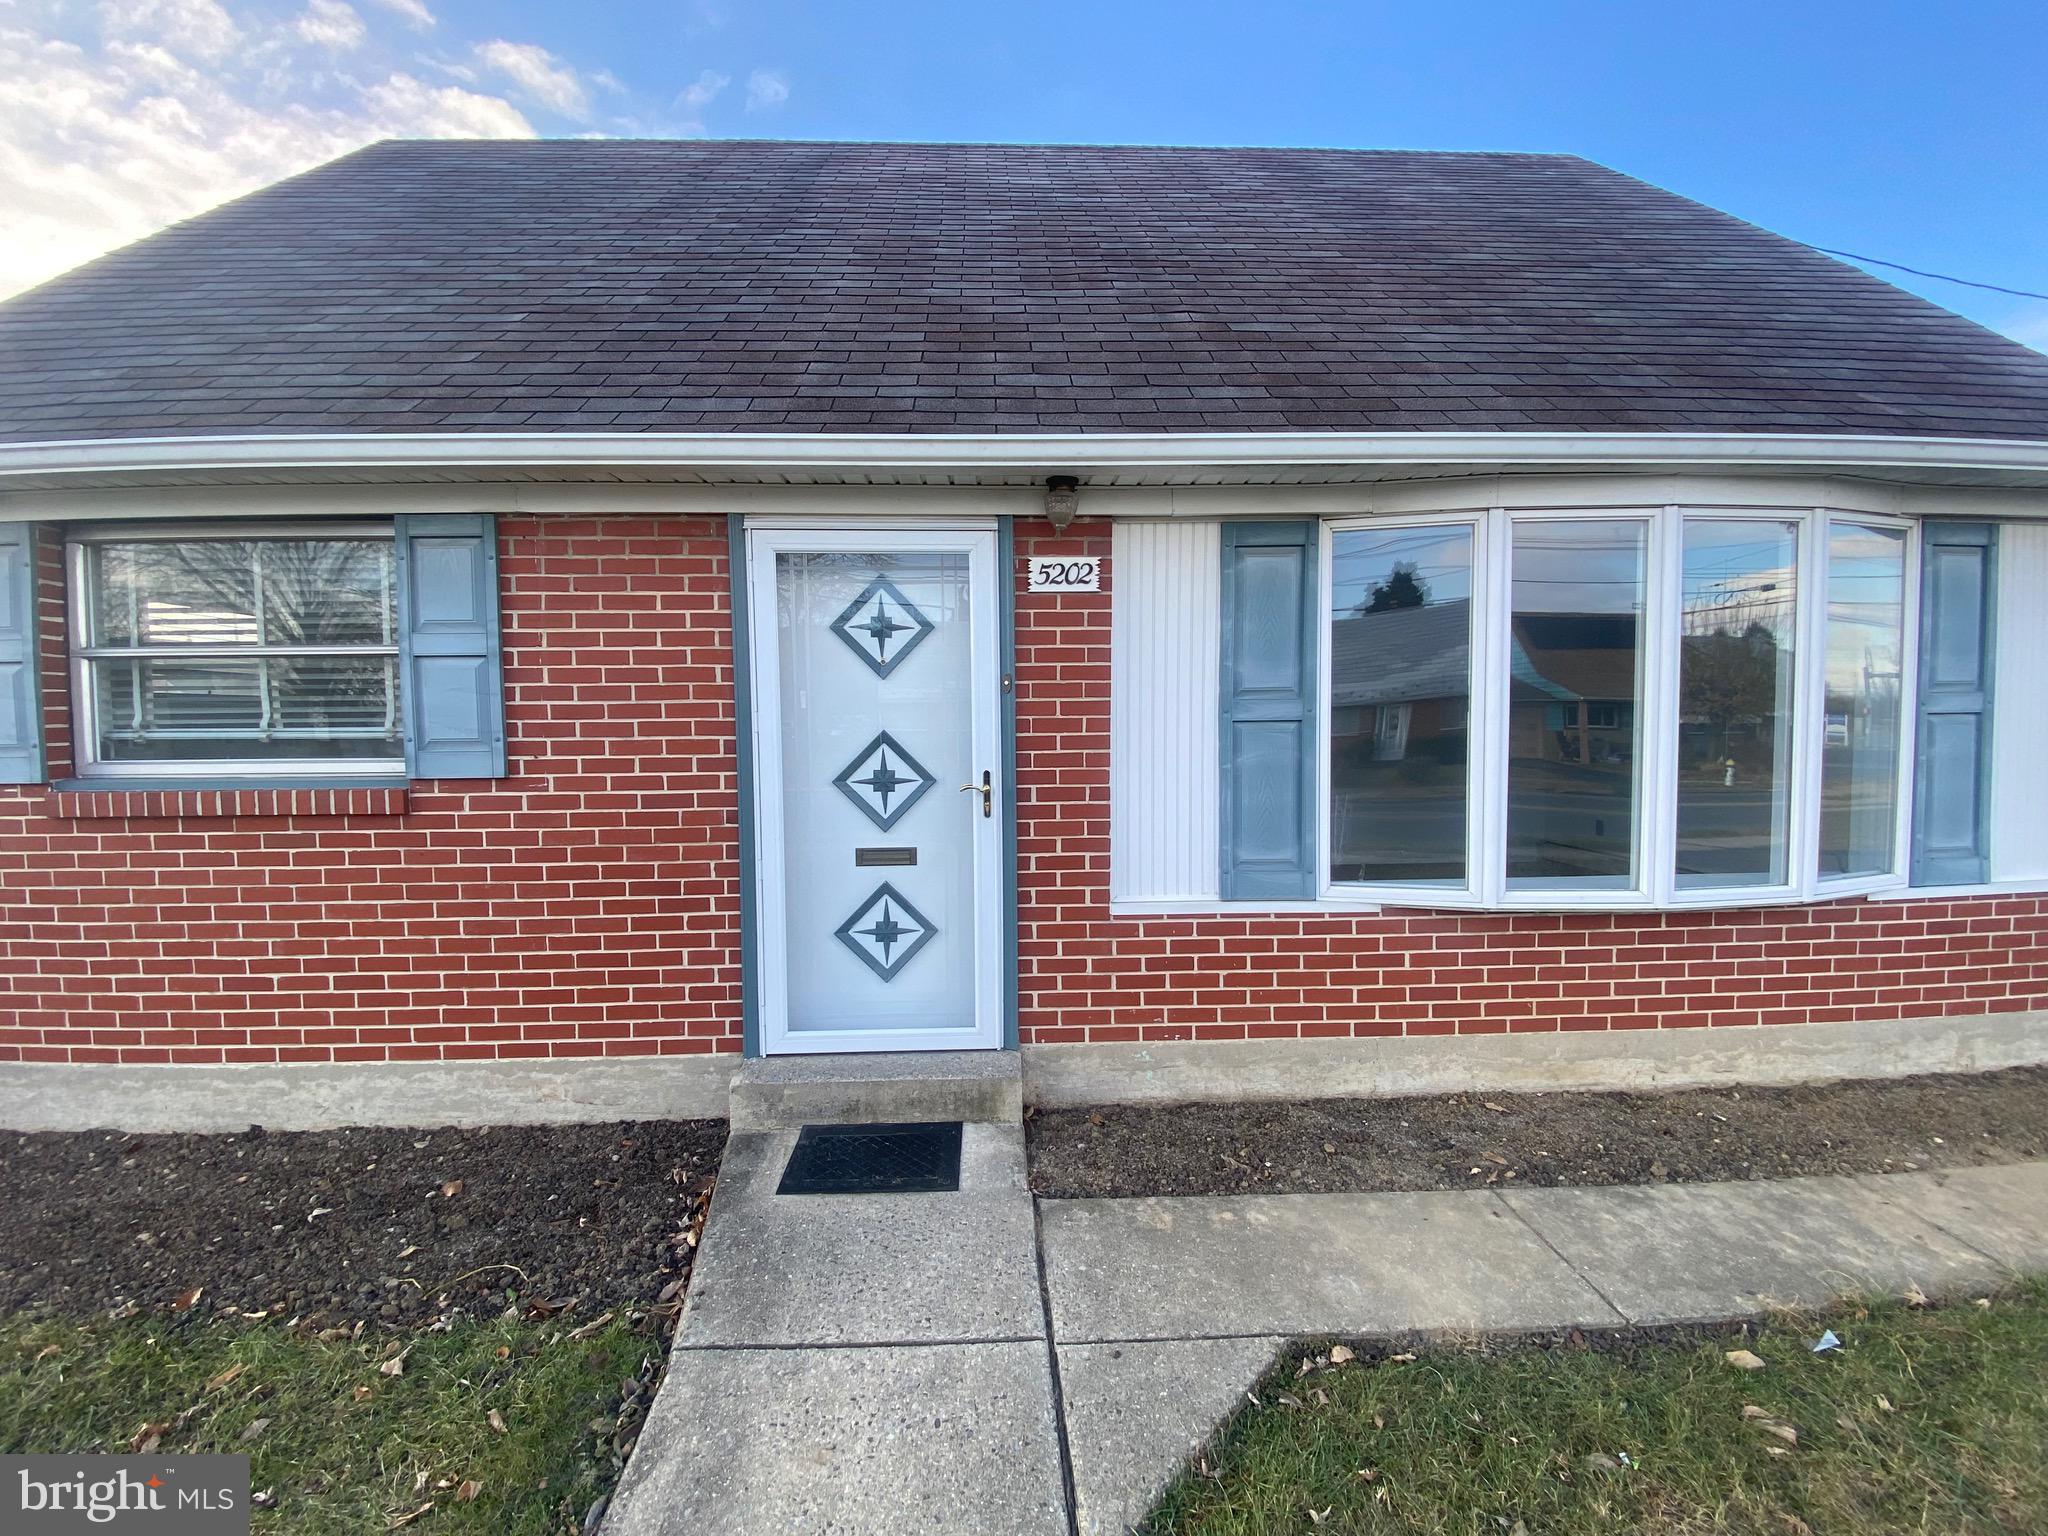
879,799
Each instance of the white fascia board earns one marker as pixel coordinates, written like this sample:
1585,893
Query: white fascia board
1063,452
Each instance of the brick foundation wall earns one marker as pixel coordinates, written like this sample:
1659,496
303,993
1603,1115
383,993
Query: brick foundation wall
585,906
588,905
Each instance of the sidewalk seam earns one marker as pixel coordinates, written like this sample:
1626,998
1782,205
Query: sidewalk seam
1565,1259
1052,1363
794,1347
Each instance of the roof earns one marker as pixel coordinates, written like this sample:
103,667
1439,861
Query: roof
692,286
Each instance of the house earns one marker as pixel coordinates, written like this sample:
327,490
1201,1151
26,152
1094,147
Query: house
529,625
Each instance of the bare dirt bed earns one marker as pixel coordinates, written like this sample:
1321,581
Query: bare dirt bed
1463,1141
392,1227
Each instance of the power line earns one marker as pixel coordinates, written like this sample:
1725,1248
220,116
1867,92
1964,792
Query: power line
1939,277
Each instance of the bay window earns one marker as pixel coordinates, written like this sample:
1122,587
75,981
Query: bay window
1615,708
269,651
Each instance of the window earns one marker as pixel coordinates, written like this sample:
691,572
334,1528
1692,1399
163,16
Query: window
1400,694
1604,708
243,653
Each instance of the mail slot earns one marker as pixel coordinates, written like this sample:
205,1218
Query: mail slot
868,858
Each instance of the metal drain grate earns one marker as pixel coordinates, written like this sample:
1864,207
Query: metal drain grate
873,1159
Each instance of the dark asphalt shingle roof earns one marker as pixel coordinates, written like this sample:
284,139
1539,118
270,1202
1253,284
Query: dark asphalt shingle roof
741,286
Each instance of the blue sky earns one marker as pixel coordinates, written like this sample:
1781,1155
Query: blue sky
1911,132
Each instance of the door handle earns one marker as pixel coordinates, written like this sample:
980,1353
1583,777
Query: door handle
986,790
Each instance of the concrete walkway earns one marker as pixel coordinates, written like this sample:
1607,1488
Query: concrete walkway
927,1363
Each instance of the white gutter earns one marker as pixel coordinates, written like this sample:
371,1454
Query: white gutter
1072,452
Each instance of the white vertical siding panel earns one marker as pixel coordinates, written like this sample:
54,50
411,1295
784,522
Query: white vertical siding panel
2019,724
1165,612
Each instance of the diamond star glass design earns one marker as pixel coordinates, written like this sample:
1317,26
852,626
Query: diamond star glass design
882,626
884,781
886,931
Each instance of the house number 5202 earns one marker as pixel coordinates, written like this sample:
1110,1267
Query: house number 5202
1054,575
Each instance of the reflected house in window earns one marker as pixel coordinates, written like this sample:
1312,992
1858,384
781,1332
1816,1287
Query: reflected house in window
1400,719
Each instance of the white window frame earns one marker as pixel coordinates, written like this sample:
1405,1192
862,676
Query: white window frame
86,761
1655,829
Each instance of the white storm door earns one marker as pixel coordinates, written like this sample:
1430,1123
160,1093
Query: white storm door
875,675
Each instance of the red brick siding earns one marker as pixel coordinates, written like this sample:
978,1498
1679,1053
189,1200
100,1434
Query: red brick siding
589,904
585,906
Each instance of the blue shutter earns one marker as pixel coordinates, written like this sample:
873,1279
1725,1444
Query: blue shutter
1269,711
448,645
21,724
1952,772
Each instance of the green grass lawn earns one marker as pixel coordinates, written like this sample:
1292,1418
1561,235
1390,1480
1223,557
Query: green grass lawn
1928,1420
344,1446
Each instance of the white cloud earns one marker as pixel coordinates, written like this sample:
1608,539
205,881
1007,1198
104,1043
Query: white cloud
766,88
537,73
331,24
415,13
191,28
704,90
104,143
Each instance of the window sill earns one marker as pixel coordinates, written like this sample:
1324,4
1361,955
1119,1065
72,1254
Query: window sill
171,799
2036,886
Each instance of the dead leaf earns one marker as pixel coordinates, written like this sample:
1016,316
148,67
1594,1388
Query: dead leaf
497,1421
408,1250
1742,1359
1317,1517
364,1393
1498,1109
590,1327
467,1493
189,1300
1401,1359
146,1438
1341,1355
263,1498
226,1376
393,1522
1885,1403
46,1351
395,1366
1770,1423
318,1211
1494,1158
1913,1296
1599,1461
503,1352
451,1189
1095,1117
256,1428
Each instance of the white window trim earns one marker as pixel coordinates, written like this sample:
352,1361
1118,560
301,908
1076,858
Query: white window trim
1656,824
86,762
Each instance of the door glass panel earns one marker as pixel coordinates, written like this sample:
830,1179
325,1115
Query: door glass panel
1859,757
1735,658
1574,694
1400,704
876,691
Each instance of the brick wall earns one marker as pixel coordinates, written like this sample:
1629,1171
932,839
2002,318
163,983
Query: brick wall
585,906
588,905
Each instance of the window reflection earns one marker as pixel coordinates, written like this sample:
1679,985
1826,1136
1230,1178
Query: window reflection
1574,670
1735,701
1400,704
1859,760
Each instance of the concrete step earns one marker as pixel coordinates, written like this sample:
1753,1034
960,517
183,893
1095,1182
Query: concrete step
775,1093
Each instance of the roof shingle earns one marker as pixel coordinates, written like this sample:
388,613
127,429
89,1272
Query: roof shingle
697,286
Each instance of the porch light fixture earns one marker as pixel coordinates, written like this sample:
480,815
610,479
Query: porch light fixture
1062,500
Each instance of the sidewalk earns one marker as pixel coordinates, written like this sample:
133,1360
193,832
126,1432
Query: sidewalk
907,1363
